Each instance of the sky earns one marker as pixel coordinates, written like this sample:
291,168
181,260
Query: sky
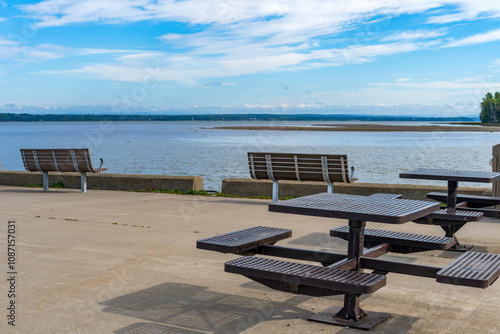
408,57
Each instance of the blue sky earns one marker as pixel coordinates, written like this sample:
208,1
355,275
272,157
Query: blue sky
414,57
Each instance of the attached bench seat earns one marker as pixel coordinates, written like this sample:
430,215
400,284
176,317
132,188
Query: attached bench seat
244,241
60,160
299,278
327,168
473,269
399,242
472,200
475,203
443,217
389,196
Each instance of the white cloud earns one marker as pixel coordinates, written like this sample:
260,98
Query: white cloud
414,35
490,36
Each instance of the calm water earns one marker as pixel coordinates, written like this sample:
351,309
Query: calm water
185,148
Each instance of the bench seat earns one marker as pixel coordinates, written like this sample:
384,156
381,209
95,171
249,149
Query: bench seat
244,241
470,199
389,196
301,276
327,168
471,269
60,160
443,217
400,242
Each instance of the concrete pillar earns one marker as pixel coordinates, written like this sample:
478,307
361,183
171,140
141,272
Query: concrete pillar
496,168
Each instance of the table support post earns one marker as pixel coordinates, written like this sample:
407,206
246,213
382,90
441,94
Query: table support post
351,315
351,310
452,195
356,241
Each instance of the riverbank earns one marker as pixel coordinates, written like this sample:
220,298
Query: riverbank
367,128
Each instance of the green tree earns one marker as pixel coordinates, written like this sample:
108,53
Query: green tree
490,108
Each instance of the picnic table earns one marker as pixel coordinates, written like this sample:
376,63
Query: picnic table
456,215
358,210
340,273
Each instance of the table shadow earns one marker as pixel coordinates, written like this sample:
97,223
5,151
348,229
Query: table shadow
185,309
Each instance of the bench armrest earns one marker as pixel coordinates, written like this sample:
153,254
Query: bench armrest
102,162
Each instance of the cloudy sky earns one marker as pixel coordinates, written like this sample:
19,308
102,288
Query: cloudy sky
426,57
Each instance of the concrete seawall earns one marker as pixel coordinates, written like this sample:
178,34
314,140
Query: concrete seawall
249,188
237,187
105,181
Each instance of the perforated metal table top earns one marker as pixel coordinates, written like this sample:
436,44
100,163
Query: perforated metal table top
451,175
355,207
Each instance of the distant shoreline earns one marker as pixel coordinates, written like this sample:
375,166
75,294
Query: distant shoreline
12,117
368,128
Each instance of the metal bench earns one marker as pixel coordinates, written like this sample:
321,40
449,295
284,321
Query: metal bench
384,195
476,200
343,274
299,167
474,269
244,241
60,160
303,278
472,203
399,242
451,222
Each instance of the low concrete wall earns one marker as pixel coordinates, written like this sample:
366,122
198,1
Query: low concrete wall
105,181
250,187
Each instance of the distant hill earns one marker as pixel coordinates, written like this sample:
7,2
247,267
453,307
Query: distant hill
11,117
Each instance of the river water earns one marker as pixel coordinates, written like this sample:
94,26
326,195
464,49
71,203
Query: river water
190,148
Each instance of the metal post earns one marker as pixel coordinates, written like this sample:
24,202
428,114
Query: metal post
452,195
275,191
84,182
351,310
496,168
45,181
329,187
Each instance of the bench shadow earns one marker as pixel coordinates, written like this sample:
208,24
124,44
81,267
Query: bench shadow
185,309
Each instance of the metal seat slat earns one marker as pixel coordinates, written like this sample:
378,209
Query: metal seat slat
471,269
307,275
242,241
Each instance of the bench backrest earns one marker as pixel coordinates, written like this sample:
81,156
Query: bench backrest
57,160
299,167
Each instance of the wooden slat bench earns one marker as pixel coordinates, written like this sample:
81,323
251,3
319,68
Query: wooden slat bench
304,278
399,242
244,241
299,167
60,160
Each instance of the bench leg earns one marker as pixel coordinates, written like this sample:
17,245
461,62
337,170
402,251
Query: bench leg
45,181
84,182
275,191
329,187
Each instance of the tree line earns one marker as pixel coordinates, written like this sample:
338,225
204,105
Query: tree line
490,108
12,117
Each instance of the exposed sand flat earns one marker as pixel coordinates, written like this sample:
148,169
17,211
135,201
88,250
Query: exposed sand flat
369,127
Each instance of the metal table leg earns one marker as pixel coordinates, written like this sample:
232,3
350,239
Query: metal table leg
351,315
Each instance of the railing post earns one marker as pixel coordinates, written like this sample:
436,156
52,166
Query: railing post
496,168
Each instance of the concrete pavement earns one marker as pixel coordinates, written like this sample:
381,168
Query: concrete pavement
126,263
